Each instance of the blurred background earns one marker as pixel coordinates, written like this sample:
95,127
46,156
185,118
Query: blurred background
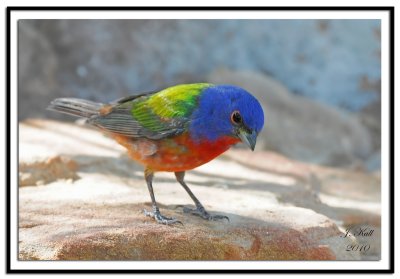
318,80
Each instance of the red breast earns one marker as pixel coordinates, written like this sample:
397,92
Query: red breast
179,153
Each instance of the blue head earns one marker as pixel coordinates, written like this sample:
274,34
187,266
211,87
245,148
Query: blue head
227,110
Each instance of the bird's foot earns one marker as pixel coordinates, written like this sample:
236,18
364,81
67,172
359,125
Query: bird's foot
200,211
161,219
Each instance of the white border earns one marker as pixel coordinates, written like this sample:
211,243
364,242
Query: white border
125,14
301,265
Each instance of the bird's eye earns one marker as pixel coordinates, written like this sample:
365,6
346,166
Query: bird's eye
236,118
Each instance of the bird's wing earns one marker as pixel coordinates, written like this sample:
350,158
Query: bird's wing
153,115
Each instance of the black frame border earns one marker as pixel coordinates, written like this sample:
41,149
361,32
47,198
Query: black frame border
389,9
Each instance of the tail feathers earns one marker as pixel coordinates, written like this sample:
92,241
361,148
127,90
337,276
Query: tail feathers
75,107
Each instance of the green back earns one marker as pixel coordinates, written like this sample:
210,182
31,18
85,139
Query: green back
174,102
153,115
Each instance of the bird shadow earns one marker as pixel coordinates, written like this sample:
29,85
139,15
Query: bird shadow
299,194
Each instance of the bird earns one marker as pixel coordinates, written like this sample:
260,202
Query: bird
175,129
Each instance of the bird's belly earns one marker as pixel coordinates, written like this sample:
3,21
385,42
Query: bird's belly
179,153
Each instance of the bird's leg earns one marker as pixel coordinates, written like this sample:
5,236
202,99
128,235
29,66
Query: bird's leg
199,211
148,175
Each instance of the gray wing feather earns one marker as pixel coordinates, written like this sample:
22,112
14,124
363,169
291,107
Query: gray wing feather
120,121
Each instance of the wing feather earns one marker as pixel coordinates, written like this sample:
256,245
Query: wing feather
142,116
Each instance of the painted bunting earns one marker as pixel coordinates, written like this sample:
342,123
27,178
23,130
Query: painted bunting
175,129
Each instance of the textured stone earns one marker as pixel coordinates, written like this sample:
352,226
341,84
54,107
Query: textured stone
279,209
44,172
118,230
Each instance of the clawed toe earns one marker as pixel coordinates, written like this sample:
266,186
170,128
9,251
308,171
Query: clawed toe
200,211
219,217
162,219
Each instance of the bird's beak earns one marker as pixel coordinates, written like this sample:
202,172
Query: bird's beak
247,138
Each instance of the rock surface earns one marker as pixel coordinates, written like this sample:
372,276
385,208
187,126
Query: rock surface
49,170
279,209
